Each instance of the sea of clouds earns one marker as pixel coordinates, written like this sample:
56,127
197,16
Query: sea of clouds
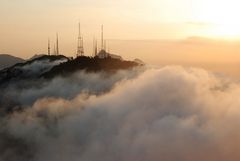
170,114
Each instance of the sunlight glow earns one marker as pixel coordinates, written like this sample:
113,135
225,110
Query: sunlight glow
221,14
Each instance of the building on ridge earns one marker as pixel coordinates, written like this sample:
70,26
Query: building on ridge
103,53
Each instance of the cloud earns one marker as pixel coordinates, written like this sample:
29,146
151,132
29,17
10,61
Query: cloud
25,93
39,67
169,114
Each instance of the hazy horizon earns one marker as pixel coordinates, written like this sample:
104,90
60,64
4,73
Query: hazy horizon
26,25
216,55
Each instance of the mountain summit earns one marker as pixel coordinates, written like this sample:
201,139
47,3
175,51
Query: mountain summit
48,67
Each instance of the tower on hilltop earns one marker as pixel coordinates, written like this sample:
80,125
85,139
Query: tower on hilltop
57,46
95,47
102,38
49,49
80,49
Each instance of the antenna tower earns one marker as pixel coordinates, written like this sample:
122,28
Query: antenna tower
80,49
49,50
57,46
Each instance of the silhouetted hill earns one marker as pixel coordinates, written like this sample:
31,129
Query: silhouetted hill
36,73
8,60
89,65
30,69
47,67
50,58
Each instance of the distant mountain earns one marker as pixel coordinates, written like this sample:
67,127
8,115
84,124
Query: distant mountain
8,60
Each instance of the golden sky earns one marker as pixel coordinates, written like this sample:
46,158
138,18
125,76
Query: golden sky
26,24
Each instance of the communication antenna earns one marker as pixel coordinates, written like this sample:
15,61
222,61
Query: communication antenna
102,38
57,46
80,49
49,49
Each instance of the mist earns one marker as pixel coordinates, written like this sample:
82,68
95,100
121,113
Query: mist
170,113
39,67
22,93
215,55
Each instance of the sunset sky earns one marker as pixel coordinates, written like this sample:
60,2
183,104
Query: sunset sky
26,24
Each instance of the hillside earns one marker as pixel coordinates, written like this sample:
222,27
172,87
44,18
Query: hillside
48,67
31,69
8,60
89,64
37,73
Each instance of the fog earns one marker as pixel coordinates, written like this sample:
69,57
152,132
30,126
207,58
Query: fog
170,113
39,67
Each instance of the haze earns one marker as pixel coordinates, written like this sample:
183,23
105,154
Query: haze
157,31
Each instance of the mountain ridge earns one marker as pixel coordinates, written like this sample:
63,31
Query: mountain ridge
36,73
48,67
7,60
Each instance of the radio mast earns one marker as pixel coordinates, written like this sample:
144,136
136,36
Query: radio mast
80,49
49,50
57,46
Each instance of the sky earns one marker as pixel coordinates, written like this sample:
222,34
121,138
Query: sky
26,25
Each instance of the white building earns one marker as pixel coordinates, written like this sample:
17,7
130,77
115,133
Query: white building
103,54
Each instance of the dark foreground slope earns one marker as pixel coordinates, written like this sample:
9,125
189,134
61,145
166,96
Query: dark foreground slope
89,65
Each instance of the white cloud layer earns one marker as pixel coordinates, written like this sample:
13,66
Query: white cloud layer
170,114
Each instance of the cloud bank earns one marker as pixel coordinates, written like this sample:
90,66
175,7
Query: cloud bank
170,114
39,67
25,92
